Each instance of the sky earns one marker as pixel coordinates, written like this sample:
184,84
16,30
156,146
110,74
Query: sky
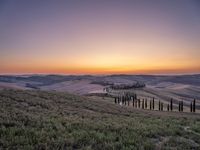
99,36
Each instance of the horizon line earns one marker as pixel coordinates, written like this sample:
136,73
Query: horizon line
92,74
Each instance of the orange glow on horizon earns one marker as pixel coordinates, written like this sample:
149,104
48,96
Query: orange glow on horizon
101,70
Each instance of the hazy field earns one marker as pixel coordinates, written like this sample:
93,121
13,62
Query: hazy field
180,87
40,81
54,120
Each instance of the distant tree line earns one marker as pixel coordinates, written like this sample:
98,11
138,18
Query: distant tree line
120,86
127,86
104,83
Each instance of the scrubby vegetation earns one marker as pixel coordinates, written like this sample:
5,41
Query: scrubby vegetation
127,86
51,120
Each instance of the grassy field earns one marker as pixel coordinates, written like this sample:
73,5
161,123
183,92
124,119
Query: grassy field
52,120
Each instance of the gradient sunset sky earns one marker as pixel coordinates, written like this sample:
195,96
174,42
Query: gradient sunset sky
99,36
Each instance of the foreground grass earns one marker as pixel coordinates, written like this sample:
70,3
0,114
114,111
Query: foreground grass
50,120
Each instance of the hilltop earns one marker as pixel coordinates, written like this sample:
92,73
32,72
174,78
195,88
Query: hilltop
59,120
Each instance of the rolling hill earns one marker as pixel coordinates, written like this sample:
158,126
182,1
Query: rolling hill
59,120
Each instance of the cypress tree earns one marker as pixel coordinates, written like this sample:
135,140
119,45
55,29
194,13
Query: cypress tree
146,103
136,103
159,106
142,103
194,107
150,105
171,105
153,103
139,103
182,107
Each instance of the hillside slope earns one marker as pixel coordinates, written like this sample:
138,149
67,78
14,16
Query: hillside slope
53,120
84,84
